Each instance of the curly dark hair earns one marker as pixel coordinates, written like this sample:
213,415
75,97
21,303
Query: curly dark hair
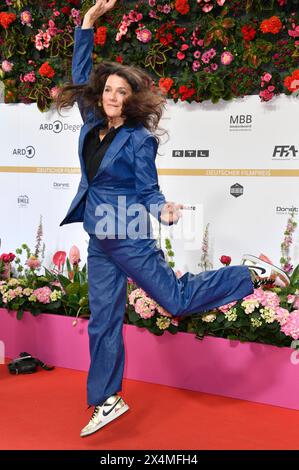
144,106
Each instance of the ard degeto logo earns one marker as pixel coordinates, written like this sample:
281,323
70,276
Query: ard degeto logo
236,190
23,201
58,126
194,153
27,152
240,122
285,152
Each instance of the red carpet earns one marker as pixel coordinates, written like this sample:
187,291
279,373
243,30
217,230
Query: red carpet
46,410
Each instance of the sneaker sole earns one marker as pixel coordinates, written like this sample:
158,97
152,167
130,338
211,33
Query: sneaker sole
107,421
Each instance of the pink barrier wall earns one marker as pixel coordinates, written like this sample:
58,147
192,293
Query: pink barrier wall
249,371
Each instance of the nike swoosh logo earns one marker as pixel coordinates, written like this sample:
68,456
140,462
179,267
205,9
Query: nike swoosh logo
261,269
106,413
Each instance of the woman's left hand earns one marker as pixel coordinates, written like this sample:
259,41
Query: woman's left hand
170,213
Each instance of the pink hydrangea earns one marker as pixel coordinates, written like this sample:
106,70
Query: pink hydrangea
281,315
291,325
143,308
227,307
33,262
43,294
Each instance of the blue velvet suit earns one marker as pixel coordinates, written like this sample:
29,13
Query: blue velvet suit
128,169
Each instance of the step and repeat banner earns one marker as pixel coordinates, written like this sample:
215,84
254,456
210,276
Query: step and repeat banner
234,164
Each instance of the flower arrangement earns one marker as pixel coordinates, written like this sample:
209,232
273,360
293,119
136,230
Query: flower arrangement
22,287
195,51
269,315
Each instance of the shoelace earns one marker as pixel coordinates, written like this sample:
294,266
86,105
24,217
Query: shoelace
95,411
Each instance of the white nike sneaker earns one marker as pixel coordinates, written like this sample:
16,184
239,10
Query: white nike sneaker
103,414
264,273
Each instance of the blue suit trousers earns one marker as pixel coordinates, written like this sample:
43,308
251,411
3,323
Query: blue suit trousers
110,262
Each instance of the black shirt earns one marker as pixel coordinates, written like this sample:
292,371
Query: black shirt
95,149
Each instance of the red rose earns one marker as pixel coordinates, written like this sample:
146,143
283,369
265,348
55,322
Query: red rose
248,32
226,260
66,10
119,59
182,6
46,70
100,36
7,257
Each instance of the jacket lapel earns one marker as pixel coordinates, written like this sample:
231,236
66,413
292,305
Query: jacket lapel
118,142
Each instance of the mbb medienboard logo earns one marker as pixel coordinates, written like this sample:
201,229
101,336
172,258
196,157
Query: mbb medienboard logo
28,152
57,127
285,152
191,153
240,122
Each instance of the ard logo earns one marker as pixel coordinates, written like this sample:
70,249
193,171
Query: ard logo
27,152
56,127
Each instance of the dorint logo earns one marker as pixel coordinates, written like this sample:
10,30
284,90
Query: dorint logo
57,185
192,153
285,152
236,190
240,122
286,210
58,127
27,152
23,200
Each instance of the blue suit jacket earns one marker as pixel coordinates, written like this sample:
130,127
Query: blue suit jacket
127,174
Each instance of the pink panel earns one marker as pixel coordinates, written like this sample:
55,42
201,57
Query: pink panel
249,371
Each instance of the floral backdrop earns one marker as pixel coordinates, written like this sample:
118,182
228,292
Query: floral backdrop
196,50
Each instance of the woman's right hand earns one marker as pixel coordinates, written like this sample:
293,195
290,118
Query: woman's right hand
99,9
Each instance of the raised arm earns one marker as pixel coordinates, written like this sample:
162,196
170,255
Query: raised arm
83,47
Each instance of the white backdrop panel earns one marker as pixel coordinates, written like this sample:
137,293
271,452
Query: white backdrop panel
39,175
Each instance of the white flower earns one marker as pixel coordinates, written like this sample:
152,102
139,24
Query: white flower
209,317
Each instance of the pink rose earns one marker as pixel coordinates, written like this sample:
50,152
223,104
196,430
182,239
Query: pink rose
226,58
144,35
7,66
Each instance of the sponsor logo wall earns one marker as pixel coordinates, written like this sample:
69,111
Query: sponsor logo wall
236,162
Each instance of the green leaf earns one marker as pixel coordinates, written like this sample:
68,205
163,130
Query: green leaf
20,314
73,288
64,281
